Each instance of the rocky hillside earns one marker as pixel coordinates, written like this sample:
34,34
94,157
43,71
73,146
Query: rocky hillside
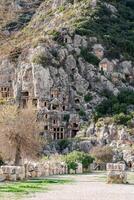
83,47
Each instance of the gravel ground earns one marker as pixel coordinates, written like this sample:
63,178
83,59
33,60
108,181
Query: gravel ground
86,187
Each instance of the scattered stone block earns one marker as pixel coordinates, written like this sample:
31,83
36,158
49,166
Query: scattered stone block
32,170
117,177
79,169
116,173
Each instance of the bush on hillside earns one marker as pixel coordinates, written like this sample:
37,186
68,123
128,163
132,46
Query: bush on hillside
122,118
89,57
88,97
63,144
114,31
115,105
82,113
14,54
102,154
66,117
40,59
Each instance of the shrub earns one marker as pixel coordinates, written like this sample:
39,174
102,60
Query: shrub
2,101
113,53
122,118
66,117
102,154
72,159
57,37
126,96
40,59
86,160
61,8
102,72
115,104
106,93
55,34
89,57
14,54
82,113
88,97
63,144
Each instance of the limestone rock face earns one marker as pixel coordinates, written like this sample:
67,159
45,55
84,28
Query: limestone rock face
126,67
62,53
70,62
77,41
64,72
128,156
42,80
64,66
85,146
106,83
123,135
58,3
91,130
98,50
93,3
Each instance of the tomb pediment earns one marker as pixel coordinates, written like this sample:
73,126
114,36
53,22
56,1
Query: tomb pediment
55,102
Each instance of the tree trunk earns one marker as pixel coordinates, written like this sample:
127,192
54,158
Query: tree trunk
17,155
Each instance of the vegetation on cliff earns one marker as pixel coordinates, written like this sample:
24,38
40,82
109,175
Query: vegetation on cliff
120,106
113,27
110,21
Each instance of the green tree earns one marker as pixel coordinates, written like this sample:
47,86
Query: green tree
72,159
85,159
115,105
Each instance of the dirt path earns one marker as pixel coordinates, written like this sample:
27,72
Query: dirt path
86,187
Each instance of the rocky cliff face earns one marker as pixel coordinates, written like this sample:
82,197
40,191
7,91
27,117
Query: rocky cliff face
106,132
80,48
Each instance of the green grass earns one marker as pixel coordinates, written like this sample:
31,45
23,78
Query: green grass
25,187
